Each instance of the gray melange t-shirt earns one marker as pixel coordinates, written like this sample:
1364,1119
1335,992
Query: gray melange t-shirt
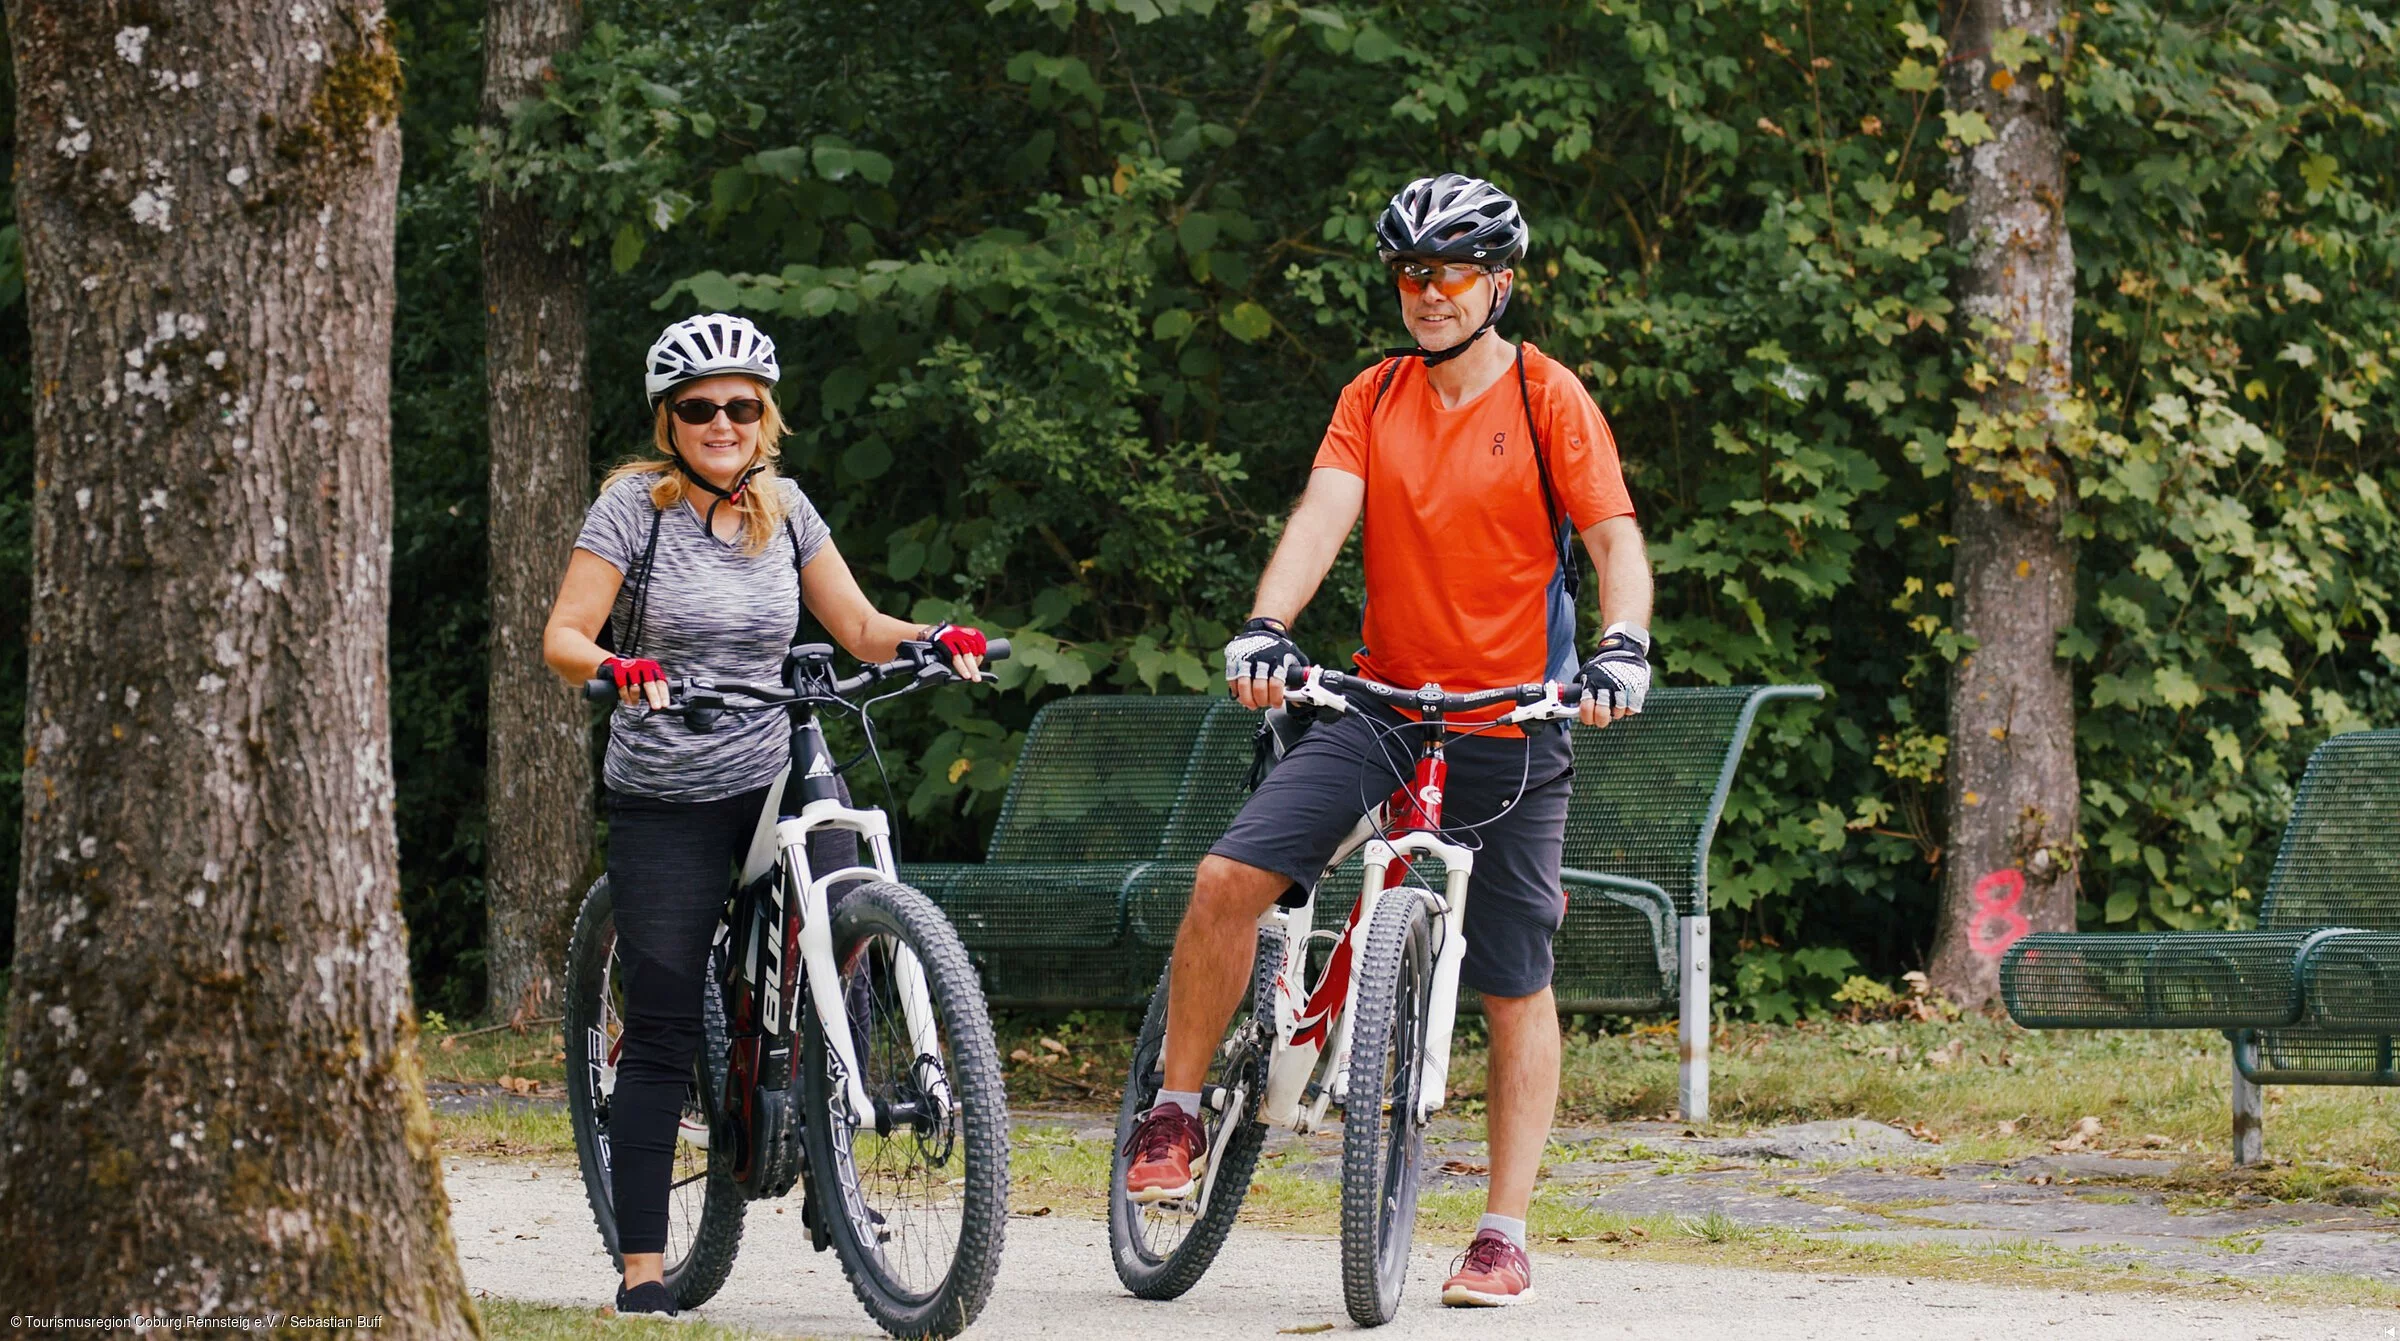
714,611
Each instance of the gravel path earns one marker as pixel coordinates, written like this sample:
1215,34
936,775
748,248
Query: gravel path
524,1233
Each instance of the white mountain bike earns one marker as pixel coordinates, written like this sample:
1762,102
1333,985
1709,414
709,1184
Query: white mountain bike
847,1050
1369,1033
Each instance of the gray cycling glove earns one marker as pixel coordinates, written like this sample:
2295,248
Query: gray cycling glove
1262,650
1618,672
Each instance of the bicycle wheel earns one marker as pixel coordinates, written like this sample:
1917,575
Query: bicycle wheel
1163,1248
915,1194
1383,1141
704,1207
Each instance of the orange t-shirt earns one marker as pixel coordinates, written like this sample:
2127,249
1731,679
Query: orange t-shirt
1463,581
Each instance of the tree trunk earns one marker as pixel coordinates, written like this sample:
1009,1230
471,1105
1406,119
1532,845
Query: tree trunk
213,1101
2011,861
538,765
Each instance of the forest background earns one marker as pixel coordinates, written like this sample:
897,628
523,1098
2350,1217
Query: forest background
1064,293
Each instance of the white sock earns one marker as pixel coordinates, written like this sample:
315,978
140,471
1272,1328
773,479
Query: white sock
1187,1100
1515,1229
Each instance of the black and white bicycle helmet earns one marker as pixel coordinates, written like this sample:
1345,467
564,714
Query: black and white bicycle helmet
706,346
1452,217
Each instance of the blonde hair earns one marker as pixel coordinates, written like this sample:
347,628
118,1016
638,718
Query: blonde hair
761,504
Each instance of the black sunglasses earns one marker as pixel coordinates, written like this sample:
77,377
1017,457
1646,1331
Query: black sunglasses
698,412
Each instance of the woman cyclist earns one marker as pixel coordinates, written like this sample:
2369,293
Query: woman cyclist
723,552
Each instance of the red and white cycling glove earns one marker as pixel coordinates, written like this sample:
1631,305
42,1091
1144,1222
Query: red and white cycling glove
958,640
631,671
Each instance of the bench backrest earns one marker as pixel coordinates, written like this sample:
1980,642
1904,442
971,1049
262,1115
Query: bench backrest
1133,777
1213,792
1648,789
1099,777
2339,865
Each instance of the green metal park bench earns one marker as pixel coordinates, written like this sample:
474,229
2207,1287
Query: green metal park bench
2310,998
1115,799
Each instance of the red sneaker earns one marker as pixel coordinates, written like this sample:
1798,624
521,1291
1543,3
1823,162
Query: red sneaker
1170,1152
1490,1273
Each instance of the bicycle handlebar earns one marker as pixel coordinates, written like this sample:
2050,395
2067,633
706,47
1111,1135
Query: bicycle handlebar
927,667
1540,701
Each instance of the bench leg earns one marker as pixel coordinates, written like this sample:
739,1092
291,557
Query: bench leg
1691,943
2249,1104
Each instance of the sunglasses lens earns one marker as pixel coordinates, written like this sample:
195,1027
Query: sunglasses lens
698,412
1456,279
1449,280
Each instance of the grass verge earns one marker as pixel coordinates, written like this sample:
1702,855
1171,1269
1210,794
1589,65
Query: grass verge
512,1320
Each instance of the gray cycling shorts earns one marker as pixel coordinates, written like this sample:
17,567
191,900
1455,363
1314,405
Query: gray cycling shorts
1346,766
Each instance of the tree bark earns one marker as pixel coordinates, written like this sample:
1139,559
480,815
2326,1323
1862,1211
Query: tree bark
538,765
2013,798
213,1101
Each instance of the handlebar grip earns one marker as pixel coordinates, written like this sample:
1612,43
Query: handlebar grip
600,689
996,650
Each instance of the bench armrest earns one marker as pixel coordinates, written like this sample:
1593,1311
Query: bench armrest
1649,900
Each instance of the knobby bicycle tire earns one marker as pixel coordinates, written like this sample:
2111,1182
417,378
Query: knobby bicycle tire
972,1072
1147,1274
1383,1142
717,1238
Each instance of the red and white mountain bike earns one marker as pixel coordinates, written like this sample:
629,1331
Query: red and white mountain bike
1368,1030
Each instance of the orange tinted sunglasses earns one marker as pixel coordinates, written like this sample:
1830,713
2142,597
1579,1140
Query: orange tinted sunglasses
1449,280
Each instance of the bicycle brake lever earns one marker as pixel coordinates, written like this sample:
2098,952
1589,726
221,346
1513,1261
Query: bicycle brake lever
1550,707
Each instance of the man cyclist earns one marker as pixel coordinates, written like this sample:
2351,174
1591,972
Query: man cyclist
1445,449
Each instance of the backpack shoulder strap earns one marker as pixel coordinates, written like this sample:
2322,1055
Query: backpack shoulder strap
630,644
1391,369
1571,571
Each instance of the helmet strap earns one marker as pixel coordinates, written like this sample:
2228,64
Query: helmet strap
732,495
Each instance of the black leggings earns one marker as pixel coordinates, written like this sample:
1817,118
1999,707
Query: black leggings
670,865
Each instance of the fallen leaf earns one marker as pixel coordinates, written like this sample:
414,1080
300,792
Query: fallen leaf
1948,1053
1019,1055
1035,1214
2008,1126
1463,1168
449,1045
2086,1128
2154,1141
1305,1329
1054,1045
520,1085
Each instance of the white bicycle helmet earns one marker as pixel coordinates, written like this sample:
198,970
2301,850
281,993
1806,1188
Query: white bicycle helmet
706,346
1452,217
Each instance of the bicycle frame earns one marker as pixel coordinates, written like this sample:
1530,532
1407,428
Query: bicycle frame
1309,1069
